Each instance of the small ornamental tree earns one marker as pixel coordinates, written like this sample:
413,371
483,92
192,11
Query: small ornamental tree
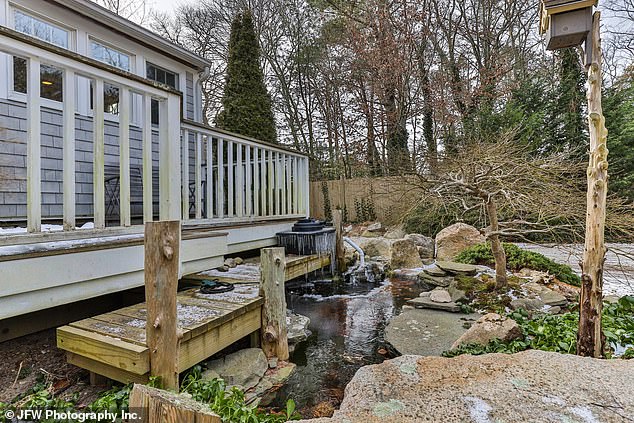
246,104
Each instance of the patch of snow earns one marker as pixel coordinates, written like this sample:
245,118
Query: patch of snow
478,409
551,399
45,228
585,413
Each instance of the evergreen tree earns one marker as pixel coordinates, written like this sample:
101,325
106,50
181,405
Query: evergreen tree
246,104
569,108
619,119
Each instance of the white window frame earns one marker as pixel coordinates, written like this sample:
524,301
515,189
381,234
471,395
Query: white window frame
131,56
11,94
135,118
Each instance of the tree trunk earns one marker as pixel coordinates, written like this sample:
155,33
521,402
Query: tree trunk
496,245
590,338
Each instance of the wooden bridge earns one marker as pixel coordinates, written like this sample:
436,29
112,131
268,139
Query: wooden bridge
231,193
114,344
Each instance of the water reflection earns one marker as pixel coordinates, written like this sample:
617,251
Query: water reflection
347,324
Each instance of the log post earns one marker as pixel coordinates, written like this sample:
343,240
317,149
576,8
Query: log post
162,243
590,339
158,406
340,255
273,270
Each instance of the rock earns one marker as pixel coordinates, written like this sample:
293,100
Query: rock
488,327
457,295
238,261
425,245
375,227
273,362
545,294
222,268
435,271
426,302
457,268
370,234
455,238
405,255
611,299
375,247
395,233
440,296
553,298
535,276
426,294
243,368
553,310
434,280
531,386
425,331
297,327
270,383
231,263
528,304
347,229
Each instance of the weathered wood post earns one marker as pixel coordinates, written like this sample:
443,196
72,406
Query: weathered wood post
162,243
590,338
158,406
273,271
337,221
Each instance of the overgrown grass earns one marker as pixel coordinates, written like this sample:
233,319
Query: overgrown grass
558,333
230,406
517,259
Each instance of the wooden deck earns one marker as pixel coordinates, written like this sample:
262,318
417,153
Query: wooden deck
114,344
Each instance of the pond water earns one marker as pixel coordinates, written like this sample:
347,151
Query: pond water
347,321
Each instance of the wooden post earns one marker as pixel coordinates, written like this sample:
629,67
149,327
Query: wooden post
340,256
158,406
273,270
590,339
162,243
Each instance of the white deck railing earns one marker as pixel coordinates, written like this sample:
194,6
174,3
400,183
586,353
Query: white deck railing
237,179
231,179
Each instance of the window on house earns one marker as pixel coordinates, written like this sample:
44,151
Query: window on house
50,76
163,76
51,80
110,98
109,55
38,28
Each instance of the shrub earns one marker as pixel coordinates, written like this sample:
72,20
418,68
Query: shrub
517,259
558,333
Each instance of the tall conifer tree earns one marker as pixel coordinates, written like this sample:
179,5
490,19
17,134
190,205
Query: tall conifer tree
246,104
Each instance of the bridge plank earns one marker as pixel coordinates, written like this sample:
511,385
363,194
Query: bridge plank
104,349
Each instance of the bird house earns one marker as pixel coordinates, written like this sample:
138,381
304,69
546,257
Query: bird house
565,23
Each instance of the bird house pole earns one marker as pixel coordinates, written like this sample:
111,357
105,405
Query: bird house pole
590,338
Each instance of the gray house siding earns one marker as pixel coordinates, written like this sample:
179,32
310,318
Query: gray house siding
13,164
189,95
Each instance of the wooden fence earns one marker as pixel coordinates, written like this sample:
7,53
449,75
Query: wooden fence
386,199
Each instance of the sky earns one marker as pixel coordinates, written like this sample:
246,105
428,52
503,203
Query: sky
166,5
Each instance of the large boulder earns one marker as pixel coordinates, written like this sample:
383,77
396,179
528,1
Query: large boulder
405,255
531,386
243,368
375,247
456,238
424,243
396,232
489,327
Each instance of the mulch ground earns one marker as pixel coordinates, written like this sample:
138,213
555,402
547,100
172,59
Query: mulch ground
35,358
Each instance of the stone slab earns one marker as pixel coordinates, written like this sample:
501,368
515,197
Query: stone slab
426,302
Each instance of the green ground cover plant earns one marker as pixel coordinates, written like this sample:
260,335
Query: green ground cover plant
517,259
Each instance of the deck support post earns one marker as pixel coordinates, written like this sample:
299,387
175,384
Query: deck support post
162,244
337,221
274,334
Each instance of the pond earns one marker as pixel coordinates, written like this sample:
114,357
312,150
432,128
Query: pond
347,321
